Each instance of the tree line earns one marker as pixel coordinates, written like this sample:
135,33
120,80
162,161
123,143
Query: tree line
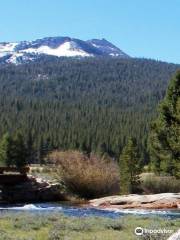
93,105
163,144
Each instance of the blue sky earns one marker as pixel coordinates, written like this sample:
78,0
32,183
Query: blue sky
141,28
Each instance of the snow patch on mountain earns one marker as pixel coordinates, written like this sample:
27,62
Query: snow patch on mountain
27,51
67,49
7,48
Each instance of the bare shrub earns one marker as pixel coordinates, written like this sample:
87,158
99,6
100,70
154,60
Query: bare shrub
86,176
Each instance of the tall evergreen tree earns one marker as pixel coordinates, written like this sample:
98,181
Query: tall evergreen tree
31,153
164,139
20,157
5,156
43,151
129,167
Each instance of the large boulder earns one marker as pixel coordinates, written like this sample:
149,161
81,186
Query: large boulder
153,201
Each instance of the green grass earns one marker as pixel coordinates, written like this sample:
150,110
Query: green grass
28,226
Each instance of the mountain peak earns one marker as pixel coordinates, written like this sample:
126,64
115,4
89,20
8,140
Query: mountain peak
11,52
107,48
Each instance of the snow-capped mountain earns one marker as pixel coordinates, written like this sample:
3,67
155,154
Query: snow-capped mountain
26,51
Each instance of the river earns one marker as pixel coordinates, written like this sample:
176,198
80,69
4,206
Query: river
78,211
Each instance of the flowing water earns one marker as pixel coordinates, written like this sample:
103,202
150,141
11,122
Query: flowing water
78,211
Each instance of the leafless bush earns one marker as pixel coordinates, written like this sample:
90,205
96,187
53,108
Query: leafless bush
86,176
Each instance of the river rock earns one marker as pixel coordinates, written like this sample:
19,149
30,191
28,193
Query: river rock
153,201
175,236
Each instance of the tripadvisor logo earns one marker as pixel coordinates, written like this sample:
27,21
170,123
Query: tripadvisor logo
140,231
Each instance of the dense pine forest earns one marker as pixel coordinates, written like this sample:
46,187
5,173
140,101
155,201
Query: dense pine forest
91,104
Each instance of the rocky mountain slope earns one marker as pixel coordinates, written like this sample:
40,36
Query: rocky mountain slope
26,51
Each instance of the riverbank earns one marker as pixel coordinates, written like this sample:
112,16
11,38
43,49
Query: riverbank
32,189
50,226
152,201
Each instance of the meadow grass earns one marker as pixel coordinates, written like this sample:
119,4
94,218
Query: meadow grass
29,226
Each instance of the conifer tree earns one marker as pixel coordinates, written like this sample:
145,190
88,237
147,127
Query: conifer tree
5,153
43,151
20,157
30,148
164,139
129,167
